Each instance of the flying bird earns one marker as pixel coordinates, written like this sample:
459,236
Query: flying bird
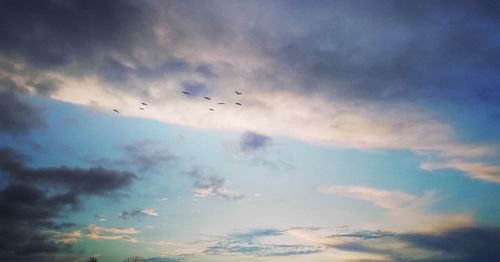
144,104
186,93
238,93
116,111
141,108
207,98
238,104
211,109
221,103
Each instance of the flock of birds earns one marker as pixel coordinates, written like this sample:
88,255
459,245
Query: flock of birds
144,105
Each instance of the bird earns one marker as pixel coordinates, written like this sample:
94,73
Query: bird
207,98
141,108
221,103
186,93
238,93
144,104
238,104
211,109
116,111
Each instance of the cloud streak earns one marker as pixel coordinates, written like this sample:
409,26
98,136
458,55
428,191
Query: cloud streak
145,212
406,211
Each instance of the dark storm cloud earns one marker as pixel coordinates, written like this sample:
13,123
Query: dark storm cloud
393,49
86,38
458,244
113,70
251,141
35,196
467,244
18,117
55,33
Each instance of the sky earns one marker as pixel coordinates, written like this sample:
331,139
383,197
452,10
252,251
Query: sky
364,131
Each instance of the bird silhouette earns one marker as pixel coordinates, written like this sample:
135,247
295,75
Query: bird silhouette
144,104
221,103
186,93
211,109
141,108
238,104
238,93
207,98
116,111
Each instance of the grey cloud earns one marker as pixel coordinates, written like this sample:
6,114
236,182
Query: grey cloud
18,117
347,49
33,197
137,213
68,31
194,88
382,50
467,244
251,141
247,243
457,244
364,234
256,233
142,155
211,185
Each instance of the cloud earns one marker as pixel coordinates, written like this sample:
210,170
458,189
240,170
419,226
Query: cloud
205,186
247,243
194,88
169,248
33,197
464,244
213,186
89,30
18,117
382,198
455,244
364,234
146,212
364,88
110,233
476,170
251,141
143,156
405,211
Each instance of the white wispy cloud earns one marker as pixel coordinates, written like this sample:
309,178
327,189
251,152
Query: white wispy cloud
476,170
111,233
404,210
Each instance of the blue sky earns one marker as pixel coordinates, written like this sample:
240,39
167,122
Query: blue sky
367,131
